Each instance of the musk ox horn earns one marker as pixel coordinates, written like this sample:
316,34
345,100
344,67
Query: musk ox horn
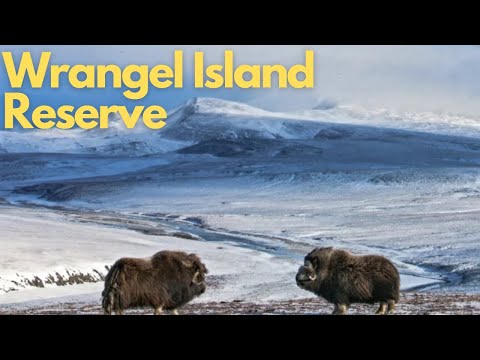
195,279
187,264
312,276
308,264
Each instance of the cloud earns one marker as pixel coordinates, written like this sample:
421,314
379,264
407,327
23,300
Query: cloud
425,78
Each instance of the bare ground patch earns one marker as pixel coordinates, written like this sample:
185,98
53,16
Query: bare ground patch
410,304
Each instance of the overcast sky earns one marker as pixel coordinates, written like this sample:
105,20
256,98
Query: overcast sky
415,78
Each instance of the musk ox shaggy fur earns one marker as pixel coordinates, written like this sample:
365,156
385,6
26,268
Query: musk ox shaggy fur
166,281
342,279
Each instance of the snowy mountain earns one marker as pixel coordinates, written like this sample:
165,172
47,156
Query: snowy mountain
117,140
431,122
208,119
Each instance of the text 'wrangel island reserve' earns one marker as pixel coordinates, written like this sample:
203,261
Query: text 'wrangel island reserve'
137,79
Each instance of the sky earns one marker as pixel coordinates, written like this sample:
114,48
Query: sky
406,78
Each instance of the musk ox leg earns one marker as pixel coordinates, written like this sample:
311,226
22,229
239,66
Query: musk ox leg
340,309
119,312
391,306
108,308
175,312
382,310
335,310
158,311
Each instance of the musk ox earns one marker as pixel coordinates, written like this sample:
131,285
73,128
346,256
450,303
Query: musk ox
166,281
342,279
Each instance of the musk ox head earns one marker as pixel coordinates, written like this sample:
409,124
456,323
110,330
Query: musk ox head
197,271
314,269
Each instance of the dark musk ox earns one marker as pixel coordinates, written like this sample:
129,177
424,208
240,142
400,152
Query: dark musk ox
342,279
166,281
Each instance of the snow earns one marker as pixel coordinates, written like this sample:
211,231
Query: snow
53,295
45,243
115,141
50,243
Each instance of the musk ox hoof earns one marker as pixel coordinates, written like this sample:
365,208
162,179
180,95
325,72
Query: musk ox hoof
158,311
391,306
386,308
340,309
382,310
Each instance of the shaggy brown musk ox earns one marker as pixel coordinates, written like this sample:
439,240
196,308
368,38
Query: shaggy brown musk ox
166,281
342,279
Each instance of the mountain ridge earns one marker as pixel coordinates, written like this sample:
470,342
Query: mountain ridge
202,119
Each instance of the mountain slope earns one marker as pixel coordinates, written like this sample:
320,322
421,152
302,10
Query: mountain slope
205,119
208,119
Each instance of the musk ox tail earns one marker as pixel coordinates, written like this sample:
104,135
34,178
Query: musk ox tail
110,295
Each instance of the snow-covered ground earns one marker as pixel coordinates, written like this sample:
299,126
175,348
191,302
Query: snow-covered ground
50,255
48,250
254,191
